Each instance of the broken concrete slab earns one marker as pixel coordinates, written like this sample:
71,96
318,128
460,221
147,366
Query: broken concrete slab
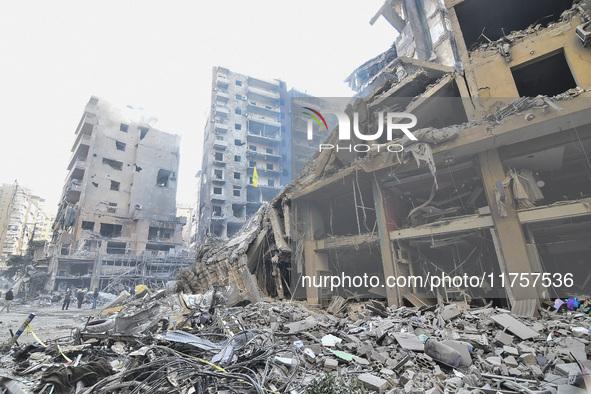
515,326
409,341
373,382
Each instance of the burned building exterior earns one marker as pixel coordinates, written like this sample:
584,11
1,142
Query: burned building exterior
248,118
117,214
497,185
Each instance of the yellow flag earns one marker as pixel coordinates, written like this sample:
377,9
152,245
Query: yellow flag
255,177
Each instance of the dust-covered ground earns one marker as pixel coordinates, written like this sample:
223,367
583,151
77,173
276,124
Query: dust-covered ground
50,323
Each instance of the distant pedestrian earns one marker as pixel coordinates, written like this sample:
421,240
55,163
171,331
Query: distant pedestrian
80,297
8,300
67,299
95,298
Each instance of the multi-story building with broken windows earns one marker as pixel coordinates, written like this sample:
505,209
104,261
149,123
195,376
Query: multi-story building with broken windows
118,208
245,131
21,220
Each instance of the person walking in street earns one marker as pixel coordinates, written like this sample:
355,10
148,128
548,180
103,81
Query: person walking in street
80,297
95,298
7,300
67,300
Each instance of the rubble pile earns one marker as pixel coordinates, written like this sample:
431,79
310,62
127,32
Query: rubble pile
196,343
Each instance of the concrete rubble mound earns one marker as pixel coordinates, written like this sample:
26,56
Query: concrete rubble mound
198,343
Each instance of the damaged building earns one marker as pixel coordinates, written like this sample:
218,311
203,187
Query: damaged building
496,186
248,117
117,216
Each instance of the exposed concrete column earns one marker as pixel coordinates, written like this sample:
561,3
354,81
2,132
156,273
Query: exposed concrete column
419,34
389,263
511,242
314,261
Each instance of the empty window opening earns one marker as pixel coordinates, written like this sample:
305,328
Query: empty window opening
238,97
233,228
238,111
236,191
239,210
218,174
237,126
218,229
548,76
237,175
253,194
253,148
111,230
159,247
163,178
160,233
238,83
115,185
120,145
269,151
87,225
237,158
116,247
269,166
271,182
218,156
123,127
252,163
238,143
217,211
114,164
217,190
143,132
492,18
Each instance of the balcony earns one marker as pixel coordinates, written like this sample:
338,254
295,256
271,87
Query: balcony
220,127
263,170
217,217
264,84
267,94
219,163
222,81
81,140
77,164
221,110
218,181
263,139
222,95
265,110
218,197
87,123
262,155
264,120
220,144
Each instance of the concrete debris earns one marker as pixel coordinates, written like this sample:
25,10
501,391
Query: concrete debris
194,343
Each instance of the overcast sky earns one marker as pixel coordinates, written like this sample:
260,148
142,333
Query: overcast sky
158,55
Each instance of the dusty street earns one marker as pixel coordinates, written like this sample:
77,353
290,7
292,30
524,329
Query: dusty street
49,322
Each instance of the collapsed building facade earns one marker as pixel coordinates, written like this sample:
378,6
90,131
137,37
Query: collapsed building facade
117,216
503,185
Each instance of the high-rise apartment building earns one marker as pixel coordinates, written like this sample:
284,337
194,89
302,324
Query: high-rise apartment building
244,134
119,197
19,212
